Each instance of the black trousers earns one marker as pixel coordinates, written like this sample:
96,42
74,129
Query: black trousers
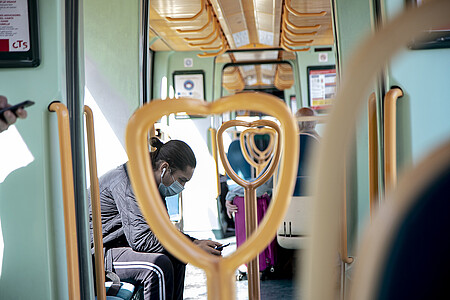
161,275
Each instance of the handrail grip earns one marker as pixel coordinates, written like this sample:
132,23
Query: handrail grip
262,157
95,204
294,43
289,48
292,25
70,229
189,18
286,29
216,34
390,138
300,14
373,154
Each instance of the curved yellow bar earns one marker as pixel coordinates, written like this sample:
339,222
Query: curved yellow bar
208,22
287,30
213,135
390,138
397,33
219,270
215,33
95,203
70,227
288,48
294,43
248,145
300,14
206,54
292,25
170,19
373,154
214,30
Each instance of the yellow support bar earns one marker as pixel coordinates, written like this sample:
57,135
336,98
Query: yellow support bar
212,133
301,14
219,270
373,154
390,138
70,227
95,204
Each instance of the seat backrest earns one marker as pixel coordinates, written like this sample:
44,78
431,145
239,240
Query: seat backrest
237,160
308,143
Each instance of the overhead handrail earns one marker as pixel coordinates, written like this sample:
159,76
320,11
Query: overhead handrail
289,48
287,30
208,22
70,228
95,204
212,54
293,26
219,270
251,222
294,43
203,37
390,137
301,14
255,157
213,136
216,35
189,18
373,154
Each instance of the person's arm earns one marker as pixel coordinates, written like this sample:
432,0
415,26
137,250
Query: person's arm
135,227
9,117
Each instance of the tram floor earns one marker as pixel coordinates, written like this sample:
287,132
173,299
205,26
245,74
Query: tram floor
271,289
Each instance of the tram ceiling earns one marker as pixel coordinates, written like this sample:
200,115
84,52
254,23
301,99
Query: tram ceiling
215,26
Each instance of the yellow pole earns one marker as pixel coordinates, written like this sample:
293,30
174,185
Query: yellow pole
95,204
68,199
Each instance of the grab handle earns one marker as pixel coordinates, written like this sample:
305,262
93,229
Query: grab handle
70,228
301,14
390,138
373,154
95,203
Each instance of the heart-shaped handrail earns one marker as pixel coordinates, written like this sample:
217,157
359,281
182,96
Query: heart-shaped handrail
251,221
255,157
219,270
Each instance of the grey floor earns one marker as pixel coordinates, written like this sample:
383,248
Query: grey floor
195,283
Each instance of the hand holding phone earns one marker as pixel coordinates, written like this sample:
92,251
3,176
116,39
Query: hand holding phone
10,118
222,246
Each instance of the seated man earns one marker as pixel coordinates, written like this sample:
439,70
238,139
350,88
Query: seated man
132,250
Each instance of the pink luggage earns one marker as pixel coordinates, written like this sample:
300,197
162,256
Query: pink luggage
267,258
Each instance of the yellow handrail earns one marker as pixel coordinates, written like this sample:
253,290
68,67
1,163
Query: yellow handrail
300,14
213,136
344,251
214,30
390,138
219,270
256,158
216,34
287,30
208,22
95,204
292,25
70,227
373,154
294,43
189,18
251,221
288,48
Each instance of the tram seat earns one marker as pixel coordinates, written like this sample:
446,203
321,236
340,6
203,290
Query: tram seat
125,293
405,253
294,230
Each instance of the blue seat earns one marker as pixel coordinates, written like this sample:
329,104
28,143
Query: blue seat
125,293
307,143
238,162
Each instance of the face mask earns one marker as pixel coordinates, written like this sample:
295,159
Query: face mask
173,189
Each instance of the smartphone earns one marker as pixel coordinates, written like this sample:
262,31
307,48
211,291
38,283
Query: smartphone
221,247
15,107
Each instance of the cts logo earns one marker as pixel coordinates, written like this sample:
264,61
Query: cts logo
20,44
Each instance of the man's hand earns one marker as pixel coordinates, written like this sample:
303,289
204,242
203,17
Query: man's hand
9,116
231,208
209,246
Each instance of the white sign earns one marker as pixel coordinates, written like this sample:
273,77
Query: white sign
14,29
188,62
189,86
323,57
